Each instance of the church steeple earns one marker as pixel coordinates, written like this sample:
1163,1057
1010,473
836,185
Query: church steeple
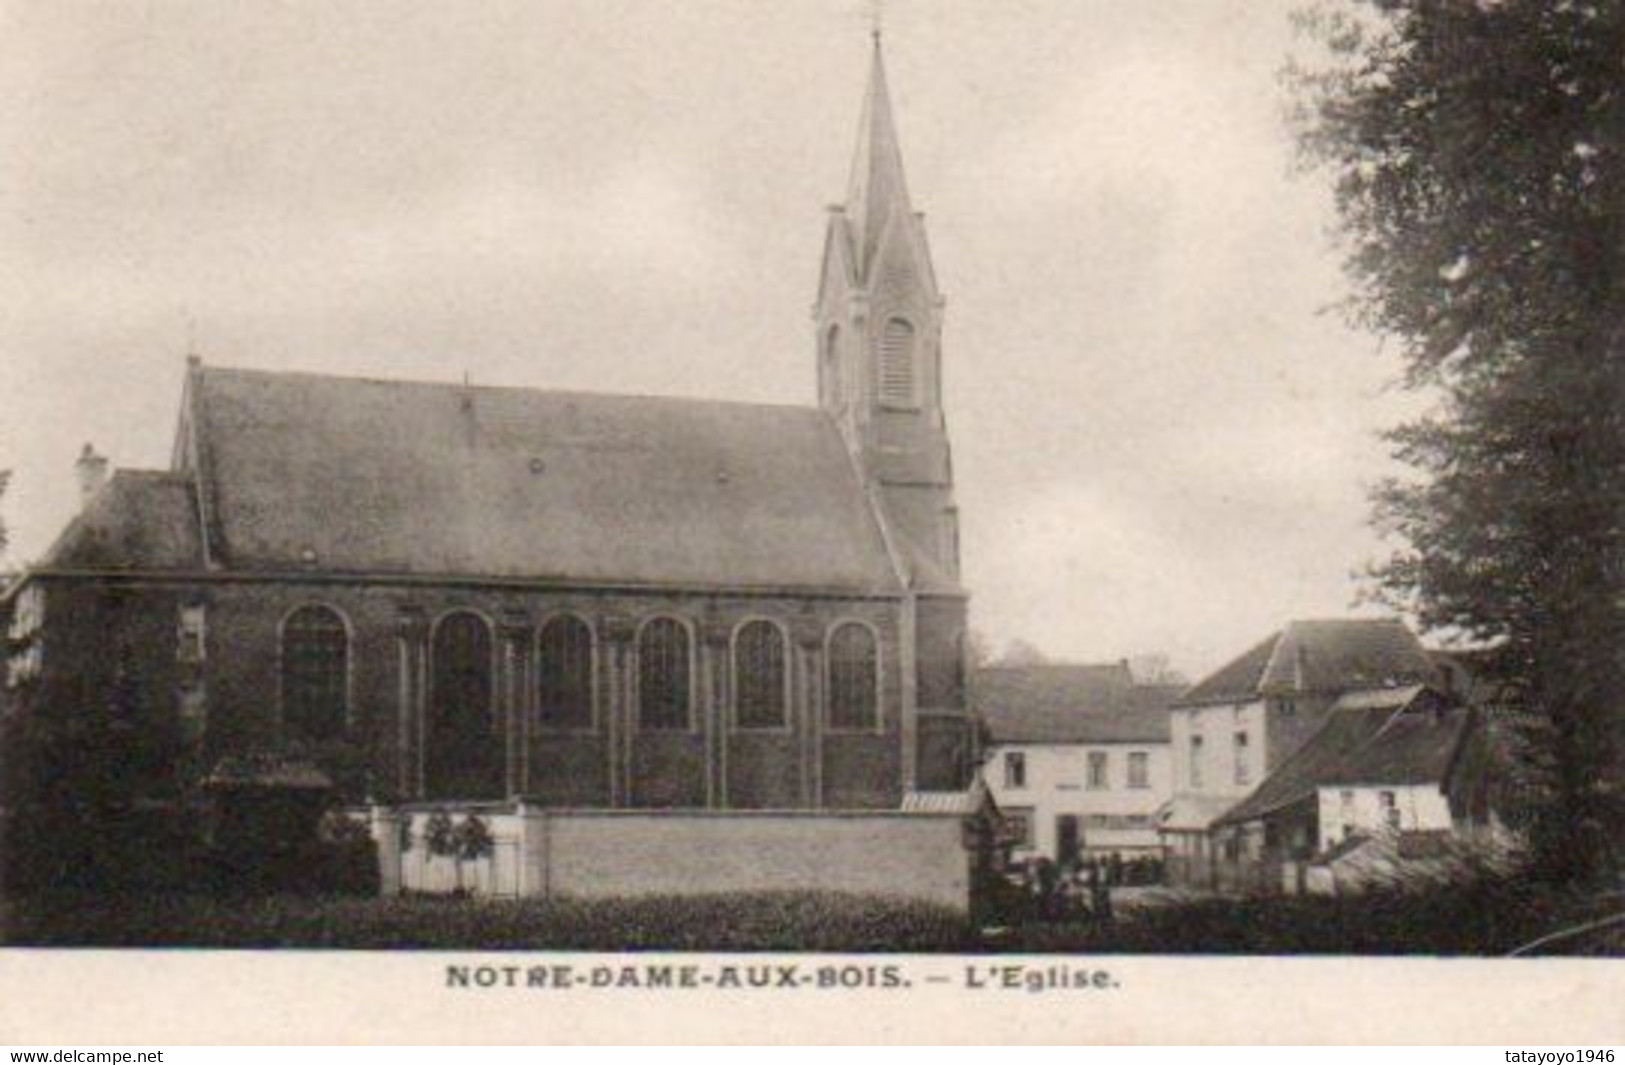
876,191
879,331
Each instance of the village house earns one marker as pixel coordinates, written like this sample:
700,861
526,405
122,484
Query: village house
1234,729
1392,778
1077,758
661,644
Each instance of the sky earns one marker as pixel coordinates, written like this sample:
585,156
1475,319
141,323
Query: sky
1162,438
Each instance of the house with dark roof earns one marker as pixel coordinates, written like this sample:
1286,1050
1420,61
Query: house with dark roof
1391,775
1235,728
547,601
1077,757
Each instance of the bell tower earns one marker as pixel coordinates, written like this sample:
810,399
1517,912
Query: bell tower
878,320
879,340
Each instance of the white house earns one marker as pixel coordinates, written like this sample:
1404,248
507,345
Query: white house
1392,778
1077,758
1235,728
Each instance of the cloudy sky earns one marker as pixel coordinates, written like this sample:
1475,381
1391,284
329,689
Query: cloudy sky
1161,441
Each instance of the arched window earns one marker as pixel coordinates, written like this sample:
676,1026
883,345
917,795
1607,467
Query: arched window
853,698
897,363
834,395
564,674
663,675
464,754
315,674
759,697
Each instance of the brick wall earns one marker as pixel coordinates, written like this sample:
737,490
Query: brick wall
711,764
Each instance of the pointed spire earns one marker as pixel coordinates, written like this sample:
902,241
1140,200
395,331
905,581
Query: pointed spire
876,189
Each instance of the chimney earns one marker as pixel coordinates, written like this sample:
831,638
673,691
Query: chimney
1300,672
91,469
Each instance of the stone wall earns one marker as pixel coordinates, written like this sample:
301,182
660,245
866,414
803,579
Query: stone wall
603,854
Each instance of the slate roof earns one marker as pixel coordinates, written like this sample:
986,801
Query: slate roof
139,520
1070,704
301,471
876,189
1191,812
1411,738
1319,656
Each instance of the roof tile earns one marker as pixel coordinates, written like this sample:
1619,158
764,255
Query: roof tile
351,475
1070,704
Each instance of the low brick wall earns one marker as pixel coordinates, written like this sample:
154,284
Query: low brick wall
609,853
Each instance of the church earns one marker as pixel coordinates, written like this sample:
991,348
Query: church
525,600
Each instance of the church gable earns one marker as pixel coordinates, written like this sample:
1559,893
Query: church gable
901,275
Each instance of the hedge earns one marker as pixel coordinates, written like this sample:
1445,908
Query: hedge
743,922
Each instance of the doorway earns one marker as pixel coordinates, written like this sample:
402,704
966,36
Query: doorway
1068,840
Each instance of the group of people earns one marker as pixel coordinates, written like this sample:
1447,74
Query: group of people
1081,888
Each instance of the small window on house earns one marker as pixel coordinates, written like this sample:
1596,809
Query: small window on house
663,675
193,713
1139,769
897,358
1018,827
1390,808
28,613
564,674
1244,769
26,654
1287,707
1196,762
1345,799
853,691
759,695
315,674
191,638
1015,770
24,665
1097,771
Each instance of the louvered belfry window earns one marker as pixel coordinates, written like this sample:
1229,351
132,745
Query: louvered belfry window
564,674
897,360
759,676
663,675
315,674
853,694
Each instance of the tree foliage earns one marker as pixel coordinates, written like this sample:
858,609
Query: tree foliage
5,479
1478,153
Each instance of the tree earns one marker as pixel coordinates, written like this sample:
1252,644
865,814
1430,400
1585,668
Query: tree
1153,668
1019,652
1478,153
5,479
465,841
979,649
